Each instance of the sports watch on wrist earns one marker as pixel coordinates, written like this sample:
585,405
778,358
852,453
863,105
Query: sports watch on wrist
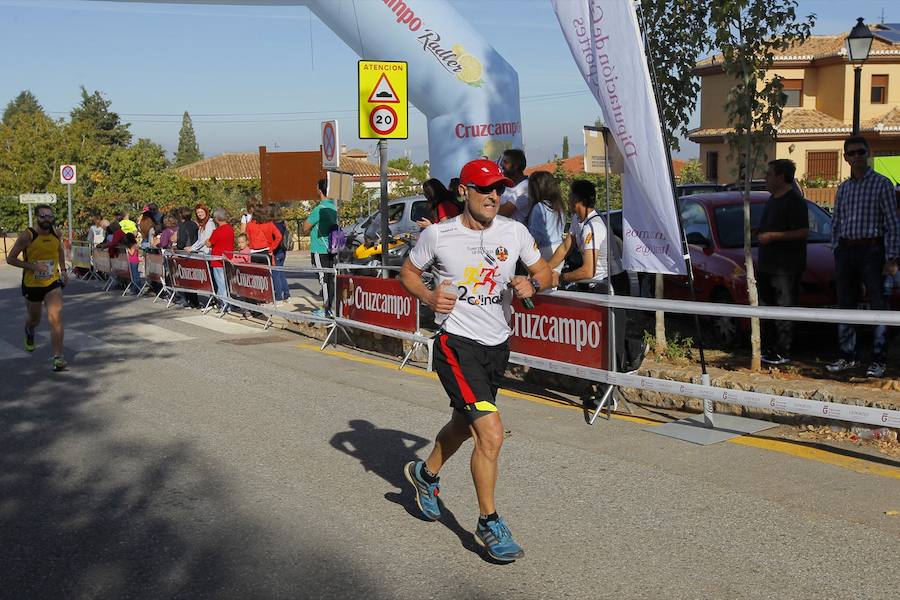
535,284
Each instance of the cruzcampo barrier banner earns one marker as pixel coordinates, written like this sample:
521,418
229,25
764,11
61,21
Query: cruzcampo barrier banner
561,329
101,260
605,41
253,282
120,266
377,301
154,267
190,273
81,256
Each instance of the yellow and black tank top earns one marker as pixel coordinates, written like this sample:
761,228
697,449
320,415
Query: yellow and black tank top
44,248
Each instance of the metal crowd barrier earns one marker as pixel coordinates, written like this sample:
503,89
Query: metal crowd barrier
704,391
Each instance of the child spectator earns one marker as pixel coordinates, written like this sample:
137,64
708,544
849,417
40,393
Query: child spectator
134,260
243,249
166,236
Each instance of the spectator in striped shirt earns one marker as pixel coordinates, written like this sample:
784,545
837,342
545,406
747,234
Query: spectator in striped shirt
865,235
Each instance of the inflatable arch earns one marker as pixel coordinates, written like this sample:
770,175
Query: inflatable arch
468,93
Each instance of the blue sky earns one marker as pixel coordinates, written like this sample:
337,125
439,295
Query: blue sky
230,65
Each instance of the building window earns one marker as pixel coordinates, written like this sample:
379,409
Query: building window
712,166
879,89
793,89
822,165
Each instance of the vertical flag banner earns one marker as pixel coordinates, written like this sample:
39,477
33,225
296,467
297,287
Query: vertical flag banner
605,41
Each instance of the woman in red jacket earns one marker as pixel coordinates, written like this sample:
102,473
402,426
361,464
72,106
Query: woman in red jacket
262,234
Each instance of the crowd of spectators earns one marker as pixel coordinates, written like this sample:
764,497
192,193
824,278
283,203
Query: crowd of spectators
263,236
865,230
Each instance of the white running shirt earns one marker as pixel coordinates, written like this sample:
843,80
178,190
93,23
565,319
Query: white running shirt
518,195
591,235
480,264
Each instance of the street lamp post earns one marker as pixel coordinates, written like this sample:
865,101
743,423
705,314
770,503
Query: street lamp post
858,44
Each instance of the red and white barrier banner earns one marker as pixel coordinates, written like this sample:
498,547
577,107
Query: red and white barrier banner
561,329
154,267
81,256
190,273
377,301
120,267
101,260
250,281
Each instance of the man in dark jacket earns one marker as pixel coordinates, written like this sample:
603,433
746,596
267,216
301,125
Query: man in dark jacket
187,237
782,255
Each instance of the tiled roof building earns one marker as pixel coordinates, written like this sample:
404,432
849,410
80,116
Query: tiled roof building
818,80
245,165
575,165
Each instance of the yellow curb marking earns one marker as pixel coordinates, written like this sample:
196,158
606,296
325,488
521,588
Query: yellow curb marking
782,446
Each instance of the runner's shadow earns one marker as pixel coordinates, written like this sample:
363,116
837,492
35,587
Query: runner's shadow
385,452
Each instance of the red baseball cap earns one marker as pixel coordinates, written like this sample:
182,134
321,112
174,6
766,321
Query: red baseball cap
483,172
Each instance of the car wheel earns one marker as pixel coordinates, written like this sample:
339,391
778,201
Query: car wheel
725,330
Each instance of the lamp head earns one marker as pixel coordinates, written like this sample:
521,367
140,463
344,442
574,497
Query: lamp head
859,42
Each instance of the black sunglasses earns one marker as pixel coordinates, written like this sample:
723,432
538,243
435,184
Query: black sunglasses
860,152
487,189
46,217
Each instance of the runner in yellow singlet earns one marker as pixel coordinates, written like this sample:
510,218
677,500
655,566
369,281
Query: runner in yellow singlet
43,277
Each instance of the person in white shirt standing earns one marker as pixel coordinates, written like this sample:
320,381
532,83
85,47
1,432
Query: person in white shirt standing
588,237
514,201
474,258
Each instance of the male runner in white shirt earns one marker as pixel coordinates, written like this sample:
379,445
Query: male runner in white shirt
474,258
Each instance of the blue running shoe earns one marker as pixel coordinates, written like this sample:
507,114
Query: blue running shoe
497,539
426,493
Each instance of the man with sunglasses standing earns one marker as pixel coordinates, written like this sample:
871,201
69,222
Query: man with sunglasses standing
43,276
474,259
865,235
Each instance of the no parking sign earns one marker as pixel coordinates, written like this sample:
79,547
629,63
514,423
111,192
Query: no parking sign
331,150
67,174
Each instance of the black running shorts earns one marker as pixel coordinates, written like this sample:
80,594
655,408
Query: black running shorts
470,372
37,294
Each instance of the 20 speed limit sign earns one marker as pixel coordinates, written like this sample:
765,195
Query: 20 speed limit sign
383,100
383,120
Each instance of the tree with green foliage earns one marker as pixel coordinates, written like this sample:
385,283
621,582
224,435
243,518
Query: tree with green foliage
24,104
188,150
113,173
565,147
102,123
692,172
418,174
30,150
676,37
748,33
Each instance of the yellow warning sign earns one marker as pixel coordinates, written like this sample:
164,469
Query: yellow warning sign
383,100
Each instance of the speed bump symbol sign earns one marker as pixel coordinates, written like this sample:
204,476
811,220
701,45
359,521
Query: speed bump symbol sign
383,100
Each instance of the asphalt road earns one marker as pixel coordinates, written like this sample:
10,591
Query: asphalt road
175,460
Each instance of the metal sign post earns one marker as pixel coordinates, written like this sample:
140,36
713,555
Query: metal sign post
383,114
68,176
385,225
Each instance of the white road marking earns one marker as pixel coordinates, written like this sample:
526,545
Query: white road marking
155,333
220,325
77,341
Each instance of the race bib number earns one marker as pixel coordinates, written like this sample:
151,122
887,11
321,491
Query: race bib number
49,271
